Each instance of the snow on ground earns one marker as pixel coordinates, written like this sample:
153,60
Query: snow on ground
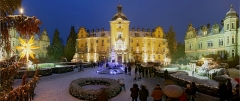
56,86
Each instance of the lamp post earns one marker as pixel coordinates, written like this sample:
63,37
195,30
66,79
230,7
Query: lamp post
21,11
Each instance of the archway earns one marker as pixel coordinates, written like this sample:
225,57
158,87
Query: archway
119,59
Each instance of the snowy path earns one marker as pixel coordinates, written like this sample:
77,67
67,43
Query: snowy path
56,86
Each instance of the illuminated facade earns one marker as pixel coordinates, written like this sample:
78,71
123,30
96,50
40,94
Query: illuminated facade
41,40
223,42
121,44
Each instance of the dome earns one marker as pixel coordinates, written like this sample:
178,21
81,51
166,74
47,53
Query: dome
119,14
231,12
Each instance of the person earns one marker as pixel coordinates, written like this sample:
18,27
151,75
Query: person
136,70
121,82
157,93
183,97
103,96
125,70
134,92
166,74
236,96
143,71
79,67
229,93
146,71
193,91
143,93
129,70
188,92
221,91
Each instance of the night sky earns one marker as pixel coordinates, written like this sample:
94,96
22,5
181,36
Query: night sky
93,14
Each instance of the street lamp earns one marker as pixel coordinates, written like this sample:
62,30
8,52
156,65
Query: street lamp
21,10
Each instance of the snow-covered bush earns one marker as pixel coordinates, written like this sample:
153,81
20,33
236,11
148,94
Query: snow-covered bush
76,88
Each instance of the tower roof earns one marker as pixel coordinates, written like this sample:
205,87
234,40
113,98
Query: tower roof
119,14
231,12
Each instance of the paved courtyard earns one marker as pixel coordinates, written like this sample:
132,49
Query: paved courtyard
56,86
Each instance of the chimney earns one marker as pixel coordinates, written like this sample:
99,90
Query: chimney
142,29
88,31
208,25
133,29
148,30
102,29
97,30
138,29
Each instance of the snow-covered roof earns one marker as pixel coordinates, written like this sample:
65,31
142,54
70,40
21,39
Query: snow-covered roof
199,32
231,12
222,31
100,34
139,33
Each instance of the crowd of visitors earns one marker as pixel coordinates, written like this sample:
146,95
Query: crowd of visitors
226,92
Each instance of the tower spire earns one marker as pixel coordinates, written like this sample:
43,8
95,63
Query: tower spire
119,8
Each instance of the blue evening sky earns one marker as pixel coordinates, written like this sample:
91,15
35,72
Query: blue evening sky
93,14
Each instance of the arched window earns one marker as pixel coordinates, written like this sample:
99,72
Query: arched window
233,53
233,39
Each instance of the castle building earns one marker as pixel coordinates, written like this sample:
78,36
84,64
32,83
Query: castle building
42,41
121,44
222,42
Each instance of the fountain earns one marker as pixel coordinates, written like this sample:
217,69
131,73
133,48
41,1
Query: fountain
113,66
204,68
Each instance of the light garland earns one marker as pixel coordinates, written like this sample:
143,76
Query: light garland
22,93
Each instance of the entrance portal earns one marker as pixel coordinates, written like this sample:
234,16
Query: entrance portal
119,59
102,58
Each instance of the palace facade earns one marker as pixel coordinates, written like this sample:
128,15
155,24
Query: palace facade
121,44
42,40
215,40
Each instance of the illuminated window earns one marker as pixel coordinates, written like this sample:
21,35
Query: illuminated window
190,46
233,53
200,45
209,43
119,24
220,42
227,39
233,39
